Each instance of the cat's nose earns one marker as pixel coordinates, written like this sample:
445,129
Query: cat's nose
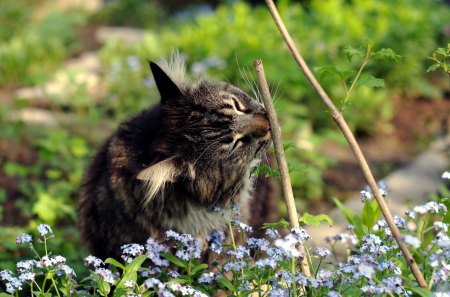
261,127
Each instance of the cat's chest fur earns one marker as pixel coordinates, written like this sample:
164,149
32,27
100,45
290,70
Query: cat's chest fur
200,221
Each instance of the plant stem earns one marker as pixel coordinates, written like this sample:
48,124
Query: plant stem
56,287
281,157
294,285
232,235
342,124
352,87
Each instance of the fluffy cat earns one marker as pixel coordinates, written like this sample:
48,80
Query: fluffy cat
171,165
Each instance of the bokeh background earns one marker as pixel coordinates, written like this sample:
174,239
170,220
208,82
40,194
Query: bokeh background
70,71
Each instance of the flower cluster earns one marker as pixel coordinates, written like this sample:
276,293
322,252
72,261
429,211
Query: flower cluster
187,246
371,266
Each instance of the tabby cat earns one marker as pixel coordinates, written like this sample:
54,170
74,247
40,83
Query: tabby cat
172,165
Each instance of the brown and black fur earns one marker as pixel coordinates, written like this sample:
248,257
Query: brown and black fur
171,165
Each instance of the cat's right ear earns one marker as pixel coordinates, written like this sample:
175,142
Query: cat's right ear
167,88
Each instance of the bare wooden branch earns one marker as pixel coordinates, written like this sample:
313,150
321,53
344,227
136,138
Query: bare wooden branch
340,121
281,157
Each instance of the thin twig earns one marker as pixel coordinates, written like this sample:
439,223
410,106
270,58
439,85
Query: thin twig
281,158
339,119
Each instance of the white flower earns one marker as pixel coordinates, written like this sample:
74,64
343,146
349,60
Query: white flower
44,229
446,175
411,240
289,245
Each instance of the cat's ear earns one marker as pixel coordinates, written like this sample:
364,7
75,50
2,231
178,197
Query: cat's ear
157,176
167,88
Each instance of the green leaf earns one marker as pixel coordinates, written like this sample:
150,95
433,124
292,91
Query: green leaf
371,213
433,67
226,283
293,167
351,217
370,81
198,268
281,224
173,259
386,54
441,51
288,145
423,292
41,294
315,220
15,169
131,271
115,263
6,295
348,213
119,292
351,52
327,71
265,170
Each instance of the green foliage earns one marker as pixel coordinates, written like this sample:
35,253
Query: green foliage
441,59
137,13
12,17
30,57
315,220
363,223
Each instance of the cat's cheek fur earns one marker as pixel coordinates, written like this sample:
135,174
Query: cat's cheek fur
157,176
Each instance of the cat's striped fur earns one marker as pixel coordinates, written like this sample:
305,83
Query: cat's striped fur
171,165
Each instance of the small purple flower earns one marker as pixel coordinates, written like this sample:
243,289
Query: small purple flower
190,247
65,269
324,278
258,243
240,252
278,292
272,233
267,262
24,238
27,277
366,270
206,278
235,266
92,260
216,239
285,276
289,246
129,284
301,234
322,252
411,240
241,226
106,275
173,274
44,229
394,285
25,265
49,261
154,251
154,283
130,251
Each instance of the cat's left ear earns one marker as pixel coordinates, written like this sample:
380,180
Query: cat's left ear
167,88
157,176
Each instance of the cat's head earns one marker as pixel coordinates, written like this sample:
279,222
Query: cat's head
212,132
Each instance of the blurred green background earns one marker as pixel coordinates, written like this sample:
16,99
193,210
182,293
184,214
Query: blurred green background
70,71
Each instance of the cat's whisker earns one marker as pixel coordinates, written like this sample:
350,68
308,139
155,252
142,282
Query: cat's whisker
204,151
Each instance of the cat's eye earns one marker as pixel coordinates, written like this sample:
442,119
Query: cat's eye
239,106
